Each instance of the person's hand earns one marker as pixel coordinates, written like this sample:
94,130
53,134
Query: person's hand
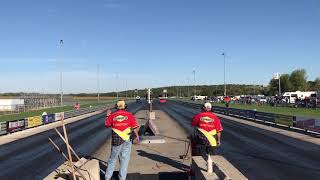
136,140
109,112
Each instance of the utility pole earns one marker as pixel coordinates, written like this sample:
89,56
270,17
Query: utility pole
61,92
126,89
224,74
149,99
277,76
117,78
98,82
279,85
188,84
194,82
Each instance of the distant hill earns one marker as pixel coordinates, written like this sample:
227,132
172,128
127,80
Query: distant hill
206,90
184,91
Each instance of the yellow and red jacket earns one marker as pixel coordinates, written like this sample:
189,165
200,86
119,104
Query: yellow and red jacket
122,122
208,124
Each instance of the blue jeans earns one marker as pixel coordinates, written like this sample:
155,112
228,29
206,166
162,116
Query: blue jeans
123,151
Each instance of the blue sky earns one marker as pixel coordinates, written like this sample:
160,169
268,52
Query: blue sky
151,43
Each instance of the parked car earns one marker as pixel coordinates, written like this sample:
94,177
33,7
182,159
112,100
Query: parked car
198,98
138,99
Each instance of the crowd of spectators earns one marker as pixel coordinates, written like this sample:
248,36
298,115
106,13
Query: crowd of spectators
275,101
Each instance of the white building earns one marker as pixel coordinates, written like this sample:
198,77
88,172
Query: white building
10,104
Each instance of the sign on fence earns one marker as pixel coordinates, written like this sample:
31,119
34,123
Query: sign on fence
3,128
17,125
308,123
59,116
48,118
284,120
34,121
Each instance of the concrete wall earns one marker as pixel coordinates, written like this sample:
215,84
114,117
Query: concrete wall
222,169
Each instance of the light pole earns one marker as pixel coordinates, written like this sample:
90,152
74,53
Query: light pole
194,82
98,82
279,85
126,89
117,79
224,74
61,92
277,76
188,84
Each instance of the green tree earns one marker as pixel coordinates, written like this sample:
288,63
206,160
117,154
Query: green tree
316,84
285,83
298,79
274,87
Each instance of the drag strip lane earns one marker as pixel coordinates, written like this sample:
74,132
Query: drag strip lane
34,157
254,153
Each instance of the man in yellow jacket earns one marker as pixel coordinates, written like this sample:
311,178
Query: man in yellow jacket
122,123
208,128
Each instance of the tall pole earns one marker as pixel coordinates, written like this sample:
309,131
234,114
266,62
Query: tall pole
188,84
117,78
149,100
61,92
279,85
126,89
194,82
224,74
98,82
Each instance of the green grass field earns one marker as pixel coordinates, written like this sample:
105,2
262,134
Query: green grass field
50,110
276,110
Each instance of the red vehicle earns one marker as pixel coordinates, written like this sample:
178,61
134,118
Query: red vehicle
227,99
163,100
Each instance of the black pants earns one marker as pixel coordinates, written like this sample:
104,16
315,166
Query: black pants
211,150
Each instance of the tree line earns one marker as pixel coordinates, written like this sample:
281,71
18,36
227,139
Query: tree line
295,81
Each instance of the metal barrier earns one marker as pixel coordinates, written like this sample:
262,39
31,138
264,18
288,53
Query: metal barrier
17,125
31,122
3,128
306,124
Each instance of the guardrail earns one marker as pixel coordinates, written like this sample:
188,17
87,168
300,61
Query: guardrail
31,122
311,125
